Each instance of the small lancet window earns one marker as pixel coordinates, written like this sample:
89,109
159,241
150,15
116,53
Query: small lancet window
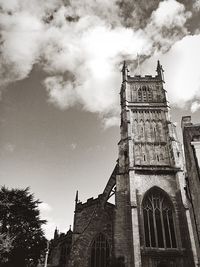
158,219
144,94
140,95
150,96
100,252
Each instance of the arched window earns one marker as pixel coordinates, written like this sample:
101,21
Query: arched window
139,95
150,96
158,220
100,252
145,94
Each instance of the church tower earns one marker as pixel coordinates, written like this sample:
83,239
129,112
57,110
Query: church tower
152,224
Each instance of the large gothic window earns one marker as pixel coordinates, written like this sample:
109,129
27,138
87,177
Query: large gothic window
158,220
100,252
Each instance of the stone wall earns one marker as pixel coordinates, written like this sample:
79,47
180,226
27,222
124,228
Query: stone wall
60,248
191,135
90,219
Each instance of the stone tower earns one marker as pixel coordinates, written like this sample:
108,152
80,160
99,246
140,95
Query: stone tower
152,223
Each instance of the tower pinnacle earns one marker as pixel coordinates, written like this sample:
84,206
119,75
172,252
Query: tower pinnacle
160,71
124,71
56,233
76,198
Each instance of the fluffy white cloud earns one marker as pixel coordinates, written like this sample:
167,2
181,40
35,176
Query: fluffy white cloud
106,10
91,51
167,24
21,39
61,93
170,13
111,121
34,7
45,213
44,207
195,106
181,70
81,45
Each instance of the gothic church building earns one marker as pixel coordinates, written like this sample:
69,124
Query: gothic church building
149,225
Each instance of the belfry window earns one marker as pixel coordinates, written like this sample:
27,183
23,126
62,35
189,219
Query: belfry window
139,95
149,92
145,94
158,218
100,252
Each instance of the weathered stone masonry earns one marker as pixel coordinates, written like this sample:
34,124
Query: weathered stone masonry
149,225
191,141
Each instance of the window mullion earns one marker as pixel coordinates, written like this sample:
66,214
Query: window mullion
149,228
155,228
163,228
159,221
169,230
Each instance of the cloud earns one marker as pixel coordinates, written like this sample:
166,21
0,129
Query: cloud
49,228
44,207
92,51
45,213
170,13
195,106
181,70
60,92
167,24
21,37
135,14
111,121
196,4
81,44
105,10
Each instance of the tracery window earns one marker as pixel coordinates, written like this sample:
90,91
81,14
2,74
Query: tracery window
140,95
158,220
100,252
145,94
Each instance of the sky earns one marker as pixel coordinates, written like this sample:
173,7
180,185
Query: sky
60,79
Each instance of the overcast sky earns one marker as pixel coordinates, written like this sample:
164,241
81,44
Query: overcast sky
60,78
